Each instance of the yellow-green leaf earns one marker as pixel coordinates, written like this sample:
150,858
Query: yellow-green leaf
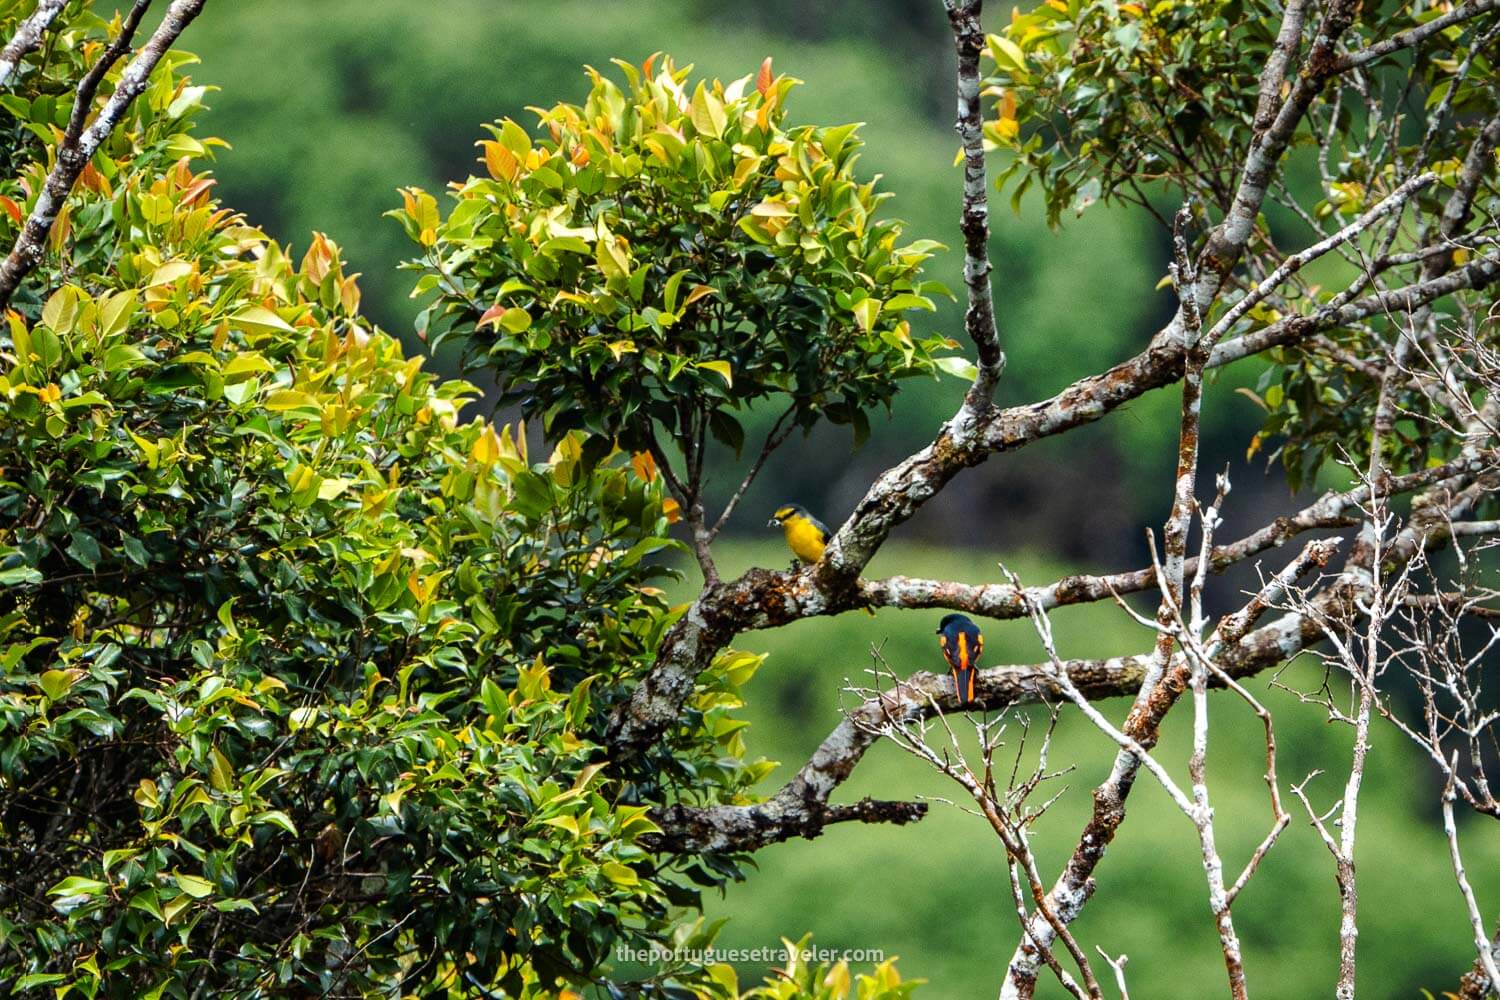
564,823
220,773
708,113
722,368
1007,54
246,364
260,319
328,489
56,683
61,310
289,399
194,886
301,718
116,312
955,365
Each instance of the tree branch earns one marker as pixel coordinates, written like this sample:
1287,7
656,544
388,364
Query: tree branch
774,439
1391,202
1003,601
1476,983
1478,273
1226,243
1288,40
77,148
923,695
718,829
1485,961
1413,36
691,504
28,37
1459,208
979,318
88,86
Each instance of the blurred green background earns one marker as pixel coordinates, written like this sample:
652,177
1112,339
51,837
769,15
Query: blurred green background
332,104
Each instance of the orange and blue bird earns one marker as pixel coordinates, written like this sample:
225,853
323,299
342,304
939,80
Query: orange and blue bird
962,643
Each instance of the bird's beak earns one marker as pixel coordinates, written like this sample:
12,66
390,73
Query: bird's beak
773,523
937,631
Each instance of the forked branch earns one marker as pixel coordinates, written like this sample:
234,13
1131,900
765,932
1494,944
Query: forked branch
80,143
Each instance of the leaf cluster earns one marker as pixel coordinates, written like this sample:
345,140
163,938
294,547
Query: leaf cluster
668,253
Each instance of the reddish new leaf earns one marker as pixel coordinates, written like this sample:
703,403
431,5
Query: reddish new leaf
763,78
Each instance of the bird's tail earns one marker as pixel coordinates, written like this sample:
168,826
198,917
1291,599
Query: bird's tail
963,685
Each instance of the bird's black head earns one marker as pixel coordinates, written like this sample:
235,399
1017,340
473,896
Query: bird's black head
786,512
953,621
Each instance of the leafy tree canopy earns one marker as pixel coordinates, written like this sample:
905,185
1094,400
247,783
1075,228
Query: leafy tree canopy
326,661
655,260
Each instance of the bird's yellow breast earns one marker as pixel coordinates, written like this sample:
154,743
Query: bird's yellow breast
804,539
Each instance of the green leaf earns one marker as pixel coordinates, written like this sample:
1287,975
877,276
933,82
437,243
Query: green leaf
906,300
123,357
726,430
84,549
57,683
493,699
277,818
669,294
234,905
194,886
18,575
958,365
35,979
865,312
77,885
147,901
89,398
220,771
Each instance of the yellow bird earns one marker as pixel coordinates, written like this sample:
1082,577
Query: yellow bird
806,536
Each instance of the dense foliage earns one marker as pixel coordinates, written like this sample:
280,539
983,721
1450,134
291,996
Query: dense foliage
658,258
325,661
1099,99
